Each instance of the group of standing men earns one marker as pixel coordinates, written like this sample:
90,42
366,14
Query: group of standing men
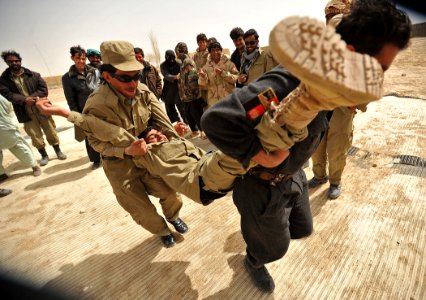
273,201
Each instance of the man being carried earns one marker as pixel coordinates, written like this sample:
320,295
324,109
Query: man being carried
239,125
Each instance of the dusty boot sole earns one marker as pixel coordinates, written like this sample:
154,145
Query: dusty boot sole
316,55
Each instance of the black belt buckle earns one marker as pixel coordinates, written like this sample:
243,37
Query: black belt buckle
278,178
271,177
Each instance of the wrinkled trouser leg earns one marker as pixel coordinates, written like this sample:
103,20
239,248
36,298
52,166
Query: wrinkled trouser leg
180,164
319,158
91,153
131,193
191,121
13,140
49,128
172,112
33,129
339,140
22,151
266,215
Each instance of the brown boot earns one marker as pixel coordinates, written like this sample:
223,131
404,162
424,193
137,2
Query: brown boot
315,54
297,110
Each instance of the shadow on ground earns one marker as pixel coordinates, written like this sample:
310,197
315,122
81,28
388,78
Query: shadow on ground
119,275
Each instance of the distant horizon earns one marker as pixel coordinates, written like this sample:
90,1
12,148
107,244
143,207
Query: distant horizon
43,31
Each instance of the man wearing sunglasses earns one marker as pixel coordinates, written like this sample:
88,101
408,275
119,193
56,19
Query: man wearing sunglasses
122,101
254,61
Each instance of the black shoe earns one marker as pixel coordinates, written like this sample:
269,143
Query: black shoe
314,182
96,165
168,240
61,155
44,160
261,277
334,191
179,225
3,177
4,192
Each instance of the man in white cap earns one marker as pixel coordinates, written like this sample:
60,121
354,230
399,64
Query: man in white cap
123,101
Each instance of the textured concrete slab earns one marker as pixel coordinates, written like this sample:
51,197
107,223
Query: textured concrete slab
65,231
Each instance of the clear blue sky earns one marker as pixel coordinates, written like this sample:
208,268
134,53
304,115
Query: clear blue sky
43,31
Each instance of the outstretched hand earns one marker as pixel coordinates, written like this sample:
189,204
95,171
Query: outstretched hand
48,109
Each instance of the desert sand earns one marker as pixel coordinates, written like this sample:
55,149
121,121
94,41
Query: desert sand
65,231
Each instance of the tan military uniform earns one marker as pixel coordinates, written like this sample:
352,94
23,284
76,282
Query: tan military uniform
218,86
38,122
264,62
200,59
131,184
338,137
177,161
334,146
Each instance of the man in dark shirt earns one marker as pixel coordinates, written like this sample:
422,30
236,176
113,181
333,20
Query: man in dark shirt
77,91
237,36
149,74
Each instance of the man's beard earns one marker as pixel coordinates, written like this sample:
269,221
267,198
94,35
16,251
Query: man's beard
15,68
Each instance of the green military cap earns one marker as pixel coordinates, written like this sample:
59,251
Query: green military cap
120,54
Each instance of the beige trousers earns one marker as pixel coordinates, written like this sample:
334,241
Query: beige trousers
131,189
334,146
34,128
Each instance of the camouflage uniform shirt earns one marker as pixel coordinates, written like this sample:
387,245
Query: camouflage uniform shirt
188,81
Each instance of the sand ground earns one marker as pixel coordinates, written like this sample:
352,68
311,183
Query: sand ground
64,230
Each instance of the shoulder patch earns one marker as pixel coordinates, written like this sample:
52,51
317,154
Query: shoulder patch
256,107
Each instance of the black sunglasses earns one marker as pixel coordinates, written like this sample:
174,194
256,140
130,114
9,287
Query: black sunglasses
126,78
250,43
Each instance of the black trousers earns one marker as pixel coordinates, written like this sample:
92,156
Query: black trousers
271,216
173,114
194,112
93,155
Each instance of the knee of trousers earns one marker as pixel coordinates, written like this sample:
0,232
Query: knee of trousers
275,250
302,234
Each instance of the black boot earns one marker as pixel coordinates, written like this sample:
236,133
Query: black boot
59,154
44,158
260,276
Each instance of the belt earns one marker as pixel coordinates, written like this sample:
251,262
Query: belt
273,177
109,157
